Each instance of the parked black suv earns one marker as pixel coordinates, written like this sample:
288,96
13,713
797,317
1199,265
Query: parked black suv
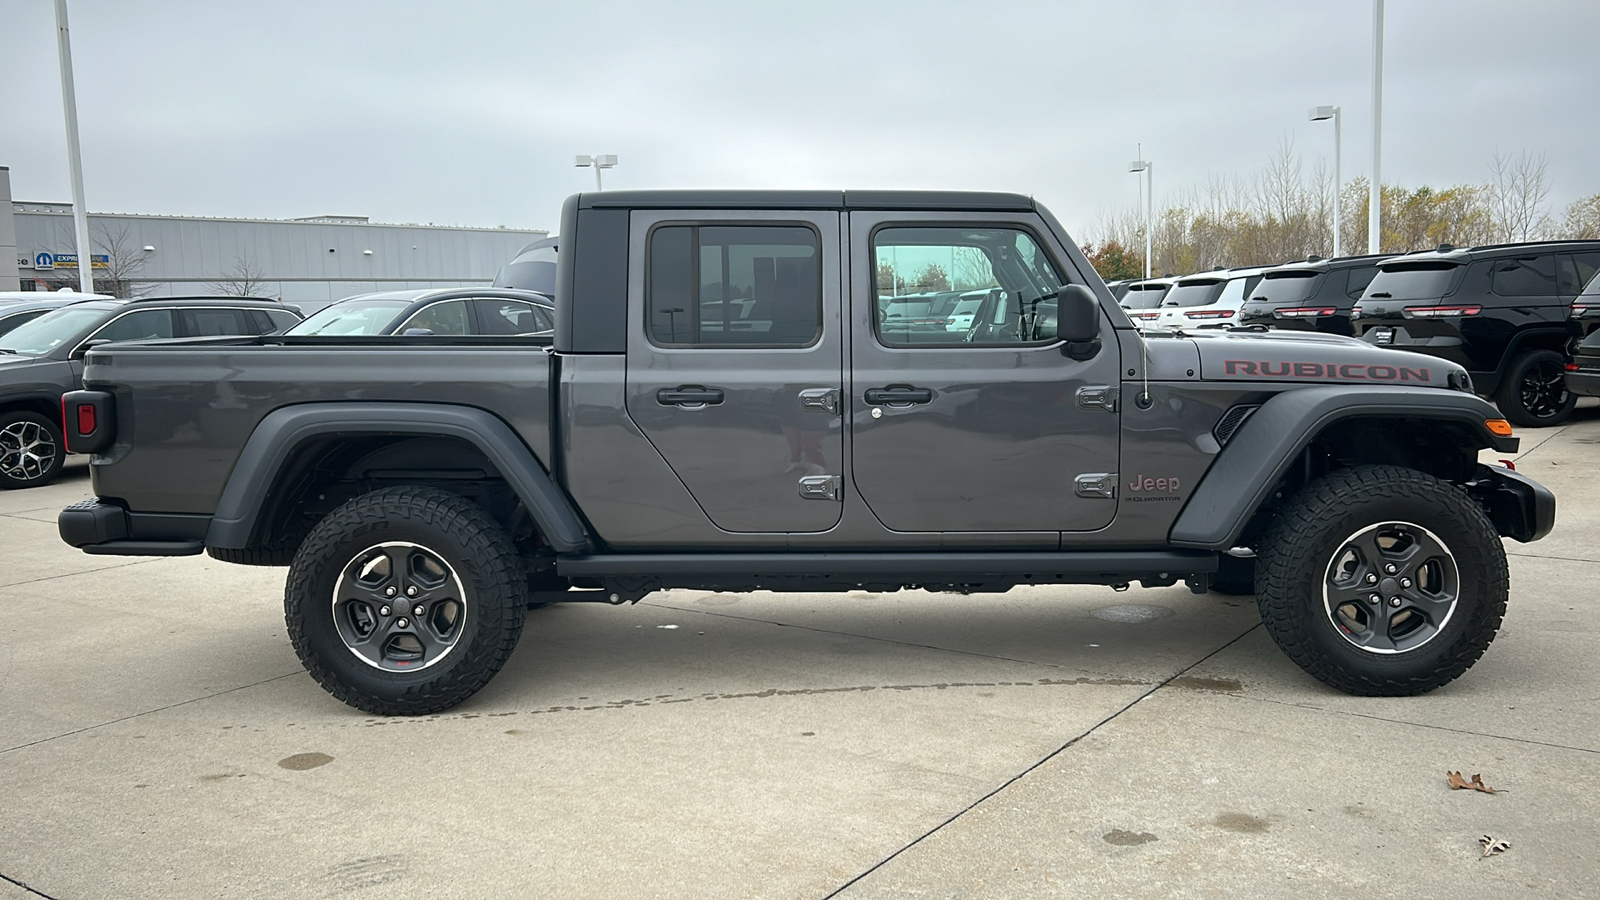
1500,311
43,359
1314,295
1584,317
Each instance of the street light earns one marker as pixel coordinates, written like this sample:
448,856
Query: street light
599,162
1318,114
1375,190
1148,168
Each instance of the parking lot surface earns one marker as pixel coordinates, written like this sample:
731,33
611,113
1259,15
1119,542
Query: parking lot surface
158,737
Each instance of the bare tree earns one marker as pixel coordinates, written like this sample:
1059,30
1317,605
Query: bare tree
241,279
1517,191
124,260
1582,219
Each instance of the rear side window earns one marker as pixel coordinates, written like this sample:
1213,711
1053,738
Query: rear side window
144,325
734,286
1412,281
216,322
1524,276
509,317
445,317
278,320
1287,288
1357,280
1578,271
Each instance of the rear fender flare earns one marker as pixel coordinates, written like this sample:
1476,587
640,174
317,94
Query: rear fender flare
283,430
1268,442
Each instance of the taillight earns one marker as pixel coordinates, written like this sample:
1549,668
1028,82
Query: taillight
1572,367
86,423
1580,309
88,420
1304,312
1210,314
1441,312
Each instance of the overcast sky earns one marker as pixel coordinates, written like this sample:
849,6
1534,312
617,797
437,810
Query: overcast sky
470,113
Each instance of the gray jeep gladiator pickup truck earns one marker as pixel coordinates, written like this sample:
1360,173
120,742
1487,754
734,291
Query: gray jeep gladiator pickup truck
728,404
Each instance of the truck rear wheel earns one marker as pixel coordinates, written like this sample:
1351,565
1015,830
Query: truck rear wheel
1382,581
405,601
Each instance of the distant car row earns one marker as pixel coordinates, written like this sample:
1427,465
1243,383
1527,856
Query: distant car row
1519,317
44,337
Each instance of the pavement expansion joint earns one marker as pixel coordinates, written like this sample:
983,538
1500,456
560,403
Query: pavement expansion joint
1181,673
137,562
1428,725
142,713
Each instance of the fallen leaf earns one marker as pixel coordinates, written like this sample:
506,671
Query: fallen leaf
1491,846
1457,783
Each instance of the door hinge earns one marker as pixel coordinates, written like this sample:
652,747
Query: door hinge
1098,396
1097,484
825,399
821,487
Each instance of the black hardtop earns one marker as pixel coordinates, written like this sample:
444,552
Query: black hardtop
1464,255
1329,265
955,201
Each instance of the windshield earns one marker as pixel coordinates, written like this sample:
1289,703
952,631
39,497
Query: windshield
352,317
1413,281
51,330
1192,293
1286,287
1144,296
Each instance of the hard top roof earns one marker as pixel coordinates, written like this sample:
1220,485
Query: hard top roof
977,201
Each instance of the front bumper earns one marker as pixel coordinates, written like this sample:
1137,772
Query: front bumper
1520,508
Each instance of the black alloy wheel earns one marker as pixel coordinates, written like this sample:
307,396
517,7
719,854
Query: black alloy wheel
32,450
1535,392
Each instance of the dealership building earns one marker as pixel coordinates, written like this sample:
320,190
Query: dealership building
308,262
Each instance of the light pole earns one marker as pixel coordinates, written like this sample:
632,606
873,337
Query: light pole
1375,190
1319,113
599,162
69,107
1148,168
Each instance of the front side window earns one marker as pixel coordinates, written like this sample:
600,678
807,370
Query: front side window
445,317
963,286
1525,276
144,325
734,286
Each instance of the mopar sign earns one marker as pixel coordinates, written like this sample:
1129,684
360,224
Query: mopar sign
44,260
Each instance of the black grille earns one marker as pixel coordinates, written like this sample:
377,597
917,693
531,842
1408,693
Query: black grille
1230,422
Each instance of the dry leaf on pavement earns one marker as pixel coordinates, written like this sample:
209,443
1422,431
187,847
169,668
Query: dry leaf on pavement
1457,783
1491,846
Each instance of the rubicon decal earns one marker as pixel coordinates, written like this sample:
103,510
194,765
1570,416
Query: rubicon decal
1330,371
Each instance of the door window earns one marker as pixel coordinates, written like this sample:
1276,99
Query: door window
1525,276
146,324
444,317
962,287
510,317
734,286
208,322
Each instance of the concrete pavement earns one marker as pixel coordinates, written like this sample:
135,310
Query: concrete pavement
159,738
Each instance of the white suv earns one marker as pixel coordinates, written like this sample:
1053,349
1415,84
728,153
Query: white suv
1208,300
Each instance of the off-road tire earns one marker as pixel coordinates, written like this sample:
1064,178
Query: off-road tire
1309,533
1534,393
32,450
456,531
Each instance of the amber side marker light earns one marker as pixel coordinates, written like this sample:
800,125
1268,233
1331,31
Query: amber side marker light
1498,426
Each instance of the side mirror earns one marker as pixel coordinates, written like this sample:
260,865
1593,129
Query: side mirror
84,348
1078,322
417,332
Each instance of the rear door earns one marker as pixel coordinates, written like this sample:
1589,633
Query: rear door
979,423
735,361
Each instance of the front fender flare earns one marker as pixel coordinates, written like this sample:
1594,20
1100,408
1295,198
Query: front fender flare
281,431
1268,442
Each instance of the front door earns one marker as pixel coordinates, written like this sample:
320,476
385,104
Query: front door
735,362
969,416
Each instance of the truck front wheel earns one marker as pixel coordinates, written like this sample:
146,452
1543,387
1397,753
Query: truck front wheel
405,601
1382,581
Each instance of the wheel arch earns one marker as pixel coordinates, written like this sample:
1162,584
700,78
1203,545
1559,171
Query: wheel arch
295,448
1298,431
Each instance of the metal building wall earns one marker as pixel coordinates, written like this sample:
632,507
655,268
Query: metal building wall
309,263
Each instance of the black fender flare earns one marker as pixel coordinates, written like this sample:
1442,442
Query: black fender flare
282,430
1268,442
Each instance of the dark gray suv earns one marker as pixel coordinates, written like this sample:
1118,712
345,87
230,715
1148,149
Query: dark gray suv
43,359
